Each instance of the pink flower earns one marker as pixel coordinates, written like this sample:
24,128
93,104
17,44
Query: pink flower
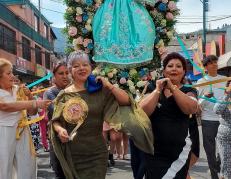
87,50
72,31
86,42
169,16
162,57
79,18
172,6
97,5
123,81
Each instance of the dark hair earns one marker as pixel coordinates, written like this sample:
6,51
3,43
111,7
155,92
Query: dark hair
227,84
172,56
58,65
19,78
209,58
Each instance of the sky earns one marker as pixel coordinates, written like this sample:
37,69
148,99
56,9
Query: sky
190,12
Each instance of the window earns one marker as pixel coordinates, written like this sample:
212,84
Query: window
7,39
47,60
45,31
36,23
26,50
38,55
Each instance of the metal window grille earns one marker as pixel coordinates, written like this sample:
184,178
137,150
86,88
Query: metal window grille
26,49
38,55
47,60
7,39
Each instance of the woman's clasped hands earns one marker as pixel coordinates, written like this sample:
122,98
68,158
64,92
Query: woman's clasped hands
164,83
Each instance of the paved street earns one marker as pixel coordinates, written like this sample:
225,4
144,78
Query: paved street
122,169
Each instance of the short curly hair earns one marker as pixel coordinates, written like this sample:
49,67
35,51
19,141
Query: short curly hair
172,56
175,55
76,55
3,63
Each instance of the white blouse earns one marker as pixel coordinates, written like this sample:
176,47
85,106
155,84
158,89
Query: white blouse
9,118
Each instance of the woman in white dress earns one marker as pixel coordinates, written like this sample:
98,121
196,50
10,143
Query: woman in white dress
15,154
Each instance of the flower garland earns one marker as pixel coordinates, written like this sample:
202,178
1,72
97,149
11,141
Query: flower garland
79,16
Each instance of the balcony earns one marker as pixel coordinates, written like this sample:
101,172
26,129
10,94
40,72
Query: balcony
24,28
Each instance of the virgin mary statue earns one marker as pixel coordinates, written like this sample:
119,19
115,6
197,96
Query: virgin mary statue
123,32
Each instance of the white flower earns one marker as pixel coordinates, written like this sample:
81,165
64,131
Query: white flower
114,71
96,71
69,9
170,34
89,21
132,72
102,73
98,1
153,75
88,27
79,11
130,83
160,43
141,83
132,89
163,22
116,85
165,1
74,42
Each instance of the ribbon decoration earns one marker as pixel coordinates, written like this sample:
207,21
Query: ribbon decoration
40,91
214,100
184,49
47,77
212,82
199,62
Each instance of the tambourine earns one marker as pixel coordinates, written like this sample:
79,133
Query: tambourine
75,110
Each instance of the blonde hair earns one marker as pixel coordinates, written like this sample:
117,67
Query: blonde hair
3,64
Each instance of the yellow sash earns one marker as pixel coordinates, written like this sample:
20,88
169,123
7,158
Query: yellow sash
23,123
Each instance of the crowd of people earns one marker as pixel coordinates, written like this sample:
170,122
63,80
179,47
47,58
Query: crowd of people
80,116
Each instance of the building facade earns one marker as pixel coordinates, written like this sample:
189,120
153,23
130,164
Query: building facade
26,39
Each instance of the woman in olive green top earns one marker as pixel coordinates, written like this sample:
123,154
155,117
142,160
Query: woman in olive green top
84,155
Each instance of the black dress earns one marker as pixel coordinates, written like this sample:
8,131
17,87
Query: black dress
172,145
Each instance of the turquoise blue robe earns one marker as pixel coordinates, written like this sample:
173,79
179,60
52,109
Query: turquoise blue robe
123,32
